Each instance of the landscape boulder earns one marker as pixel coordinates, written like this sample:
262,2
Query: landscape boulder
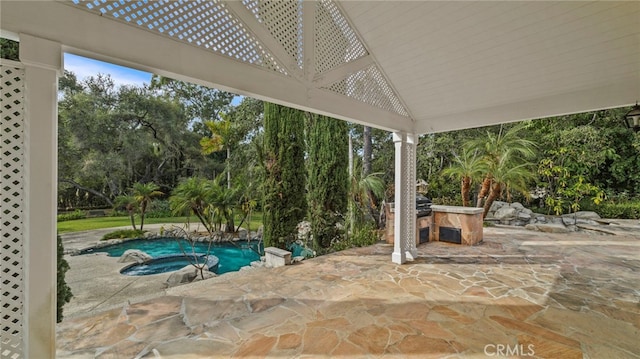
582,217
187,274
515,214
548,228
134,255
505,213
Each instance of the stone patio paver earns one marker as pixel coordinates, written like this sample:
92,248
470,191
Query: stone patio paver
563,295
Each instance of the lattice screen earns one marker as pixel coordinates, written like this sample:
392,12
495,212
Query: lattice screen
369,86
207,24
11,207
211,25
335,41
283,20
409,201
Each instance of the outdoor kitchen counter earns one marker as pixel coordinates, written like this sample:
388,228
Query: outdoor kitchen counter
462,225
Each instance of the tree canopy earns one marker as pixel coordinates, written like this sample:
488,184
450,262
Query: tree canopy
111,138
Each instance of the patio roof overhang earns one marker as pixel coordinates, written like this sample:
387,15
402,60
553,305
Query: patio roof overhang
416,67
407,67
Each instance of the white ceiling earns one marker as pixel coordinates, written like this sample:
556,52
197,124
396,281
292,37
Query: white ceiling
425,67
450,58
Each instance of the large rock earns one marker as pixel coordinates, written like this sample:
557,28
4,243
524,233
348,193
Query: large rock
517,205
187,274
505,212
523,216
541,219
548,228
134,255
586,215
206,274
496,205
582,217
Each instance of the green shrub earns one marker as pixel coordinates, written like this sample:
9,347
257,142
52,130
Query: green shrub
77,214
629,210
123,233
63,290
365,236
159,209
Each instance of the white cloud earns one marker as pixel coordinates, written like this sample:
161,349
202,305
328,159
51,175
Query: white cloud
84,67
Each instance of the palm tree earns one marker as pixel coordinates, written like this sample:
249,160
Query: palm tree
363,193
468,167
192,195
509,176
130,203
219,140
143,194
502,149
222,201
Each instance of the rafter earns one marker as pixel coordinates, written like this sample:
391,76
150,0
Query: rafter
341,72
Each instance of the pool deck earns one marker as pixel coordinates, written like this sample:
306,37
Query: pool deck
95,279
537,294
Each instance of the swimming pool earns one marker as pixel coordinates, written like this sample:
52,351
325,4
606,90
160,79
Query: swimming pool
232,256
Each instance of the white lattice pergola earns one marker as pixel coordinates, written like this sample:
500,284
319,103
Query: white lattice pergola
406,67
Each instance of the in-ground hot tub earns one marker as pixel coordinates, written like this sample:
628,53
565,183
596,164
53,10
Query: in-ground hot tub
170,263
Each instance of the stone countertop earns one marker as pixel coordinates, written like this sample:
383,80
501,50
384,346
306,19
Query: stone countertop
456,209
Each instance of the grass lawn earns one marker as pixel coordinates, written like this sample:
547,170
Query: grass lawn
87,224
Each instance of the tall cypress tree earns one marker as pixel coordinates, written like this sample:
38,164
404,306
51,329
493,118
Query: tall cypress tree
285,202
328,177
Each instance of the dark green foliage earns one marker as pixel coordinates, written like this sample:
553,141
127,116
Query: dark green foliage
77,214
626,210
285,175
63,290
9,49
362,237
123,233
328,177
159,209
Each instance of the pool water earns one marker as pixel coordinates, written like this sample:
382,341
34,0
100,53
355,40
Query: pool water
232,256
161,265
171,263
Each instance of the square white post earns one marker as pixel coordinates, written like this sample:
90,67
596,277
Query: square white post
410,199
405,198
398,256
42,61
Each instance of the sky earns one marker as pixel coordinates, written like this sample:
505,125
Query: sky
85,67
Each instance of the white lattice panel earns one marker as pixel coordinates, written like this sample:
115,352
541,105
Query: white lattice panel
11,209
335,41
409,201
206,24
283,19
369,86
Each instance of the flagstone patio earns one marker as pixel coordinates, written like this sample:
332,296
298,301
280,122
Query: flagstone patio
518,293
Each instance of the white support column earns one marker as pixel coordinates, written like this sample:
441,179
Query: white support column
410,199
405,198
43,62
398,256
